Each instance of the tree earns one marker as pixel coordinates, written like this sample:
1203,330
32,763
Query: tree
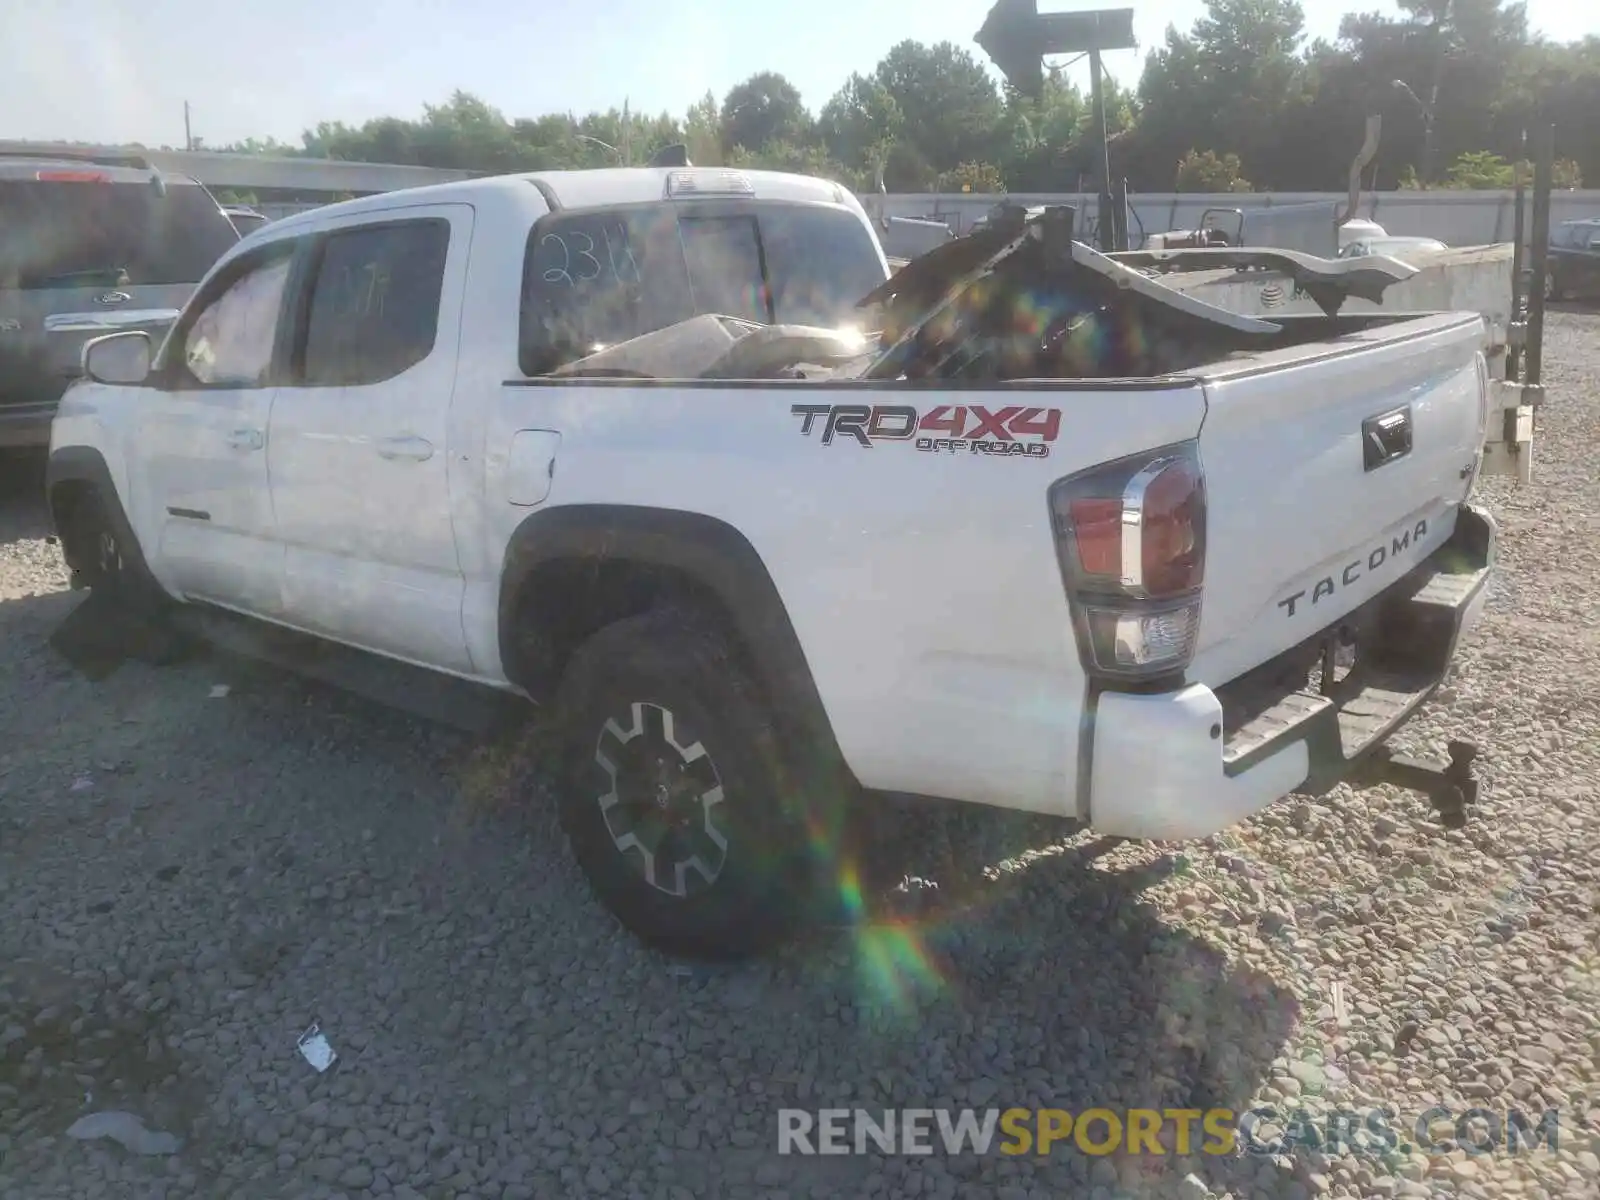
982,179
1452,56
1559,83
861,123
1479,170
1486,171
1210,173
702,132
1231,82
764,108
949,106
264,146
1239,82
802,160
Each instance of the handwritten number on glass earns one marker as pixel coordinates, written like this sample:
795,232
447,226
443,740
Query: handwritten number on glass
558,274
580,264
627,257
588,253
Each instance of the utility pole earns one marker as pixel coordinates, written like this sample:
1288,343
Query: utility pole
1425,175
627,135
1544,153
1098,91
1519,254
188,137
1433,107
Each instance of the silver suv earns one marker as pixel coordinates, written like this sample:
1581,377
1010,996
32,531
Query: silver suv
89,244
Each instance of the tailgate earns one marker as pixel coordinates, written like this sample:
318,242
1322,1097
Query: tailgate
1331,469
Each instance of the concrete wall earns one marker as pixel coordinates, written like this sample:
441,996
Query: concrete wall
1455,218
278,211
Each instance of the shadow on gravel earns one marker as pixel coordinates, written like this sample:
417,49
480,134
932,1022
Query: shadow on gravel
347,860
99,636
23,514
990,916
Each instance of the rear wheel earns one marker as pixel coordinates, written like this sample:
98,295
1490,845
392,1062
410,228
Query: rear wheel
1552,286
675,796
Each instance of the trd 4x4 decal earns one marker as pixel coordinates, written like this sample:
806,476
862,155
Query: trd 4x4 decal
948,428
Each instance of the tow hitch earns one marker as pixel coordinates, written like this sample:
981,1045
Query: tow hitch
1450,786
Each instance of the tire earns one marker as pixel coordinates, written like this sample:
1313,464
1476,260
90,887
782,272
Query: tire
1553,290
127,614
108,561
674,793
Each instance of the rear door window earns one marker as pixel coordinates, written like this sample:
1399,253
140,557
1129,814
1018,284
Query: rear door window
375,302
100,234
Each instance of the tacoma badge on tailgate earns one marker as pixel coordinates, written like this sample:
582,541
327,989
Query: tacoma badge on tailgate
1383,552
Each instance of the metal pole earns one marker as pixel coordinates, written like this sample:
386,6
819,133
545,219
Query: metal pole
1544,153
1518,257
1427,149
188,138
1439,55
1107,224
1119,207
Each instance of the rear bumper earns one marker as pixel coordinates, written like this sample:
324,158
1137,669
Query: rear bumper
1190,763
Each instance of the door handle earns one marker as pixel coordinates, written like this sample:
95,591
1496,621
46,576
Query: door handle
246,439
411,449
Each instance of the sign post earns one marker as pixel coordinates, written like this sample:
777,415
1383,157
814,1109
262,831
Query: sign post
1017,36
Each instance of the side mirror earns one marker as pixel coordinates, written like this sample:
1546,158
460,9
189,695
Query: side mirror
117,358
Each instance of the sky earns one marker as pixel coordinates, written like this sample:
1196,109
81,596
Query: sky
112,71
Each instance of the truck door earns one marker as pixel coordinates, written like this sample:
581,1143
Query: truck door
359,460
200,477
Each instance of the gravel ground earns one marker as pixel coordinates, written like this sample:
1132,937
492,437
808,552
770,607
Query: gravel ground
188,880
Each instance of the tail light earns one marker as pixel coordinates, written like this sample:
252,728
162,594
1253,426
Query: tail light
72,177
1131,537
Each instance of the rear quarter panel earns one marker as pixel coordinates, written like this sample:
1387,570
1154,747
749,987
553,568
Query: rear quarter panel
923,585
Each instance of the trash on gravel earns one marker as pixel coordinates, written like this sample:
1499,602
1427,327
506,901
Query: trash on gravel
126,1129
82,784
316,1050
1341,1007
219,691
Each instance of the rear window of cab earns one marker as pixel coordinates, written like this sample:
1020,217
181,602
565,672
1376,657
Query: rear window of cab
596,277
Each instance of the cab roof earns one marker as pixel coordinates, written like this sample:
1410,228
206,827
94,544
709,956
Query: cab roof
605,186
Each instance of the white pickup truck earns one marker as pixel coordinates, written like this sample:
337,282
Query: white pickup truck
1036,532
